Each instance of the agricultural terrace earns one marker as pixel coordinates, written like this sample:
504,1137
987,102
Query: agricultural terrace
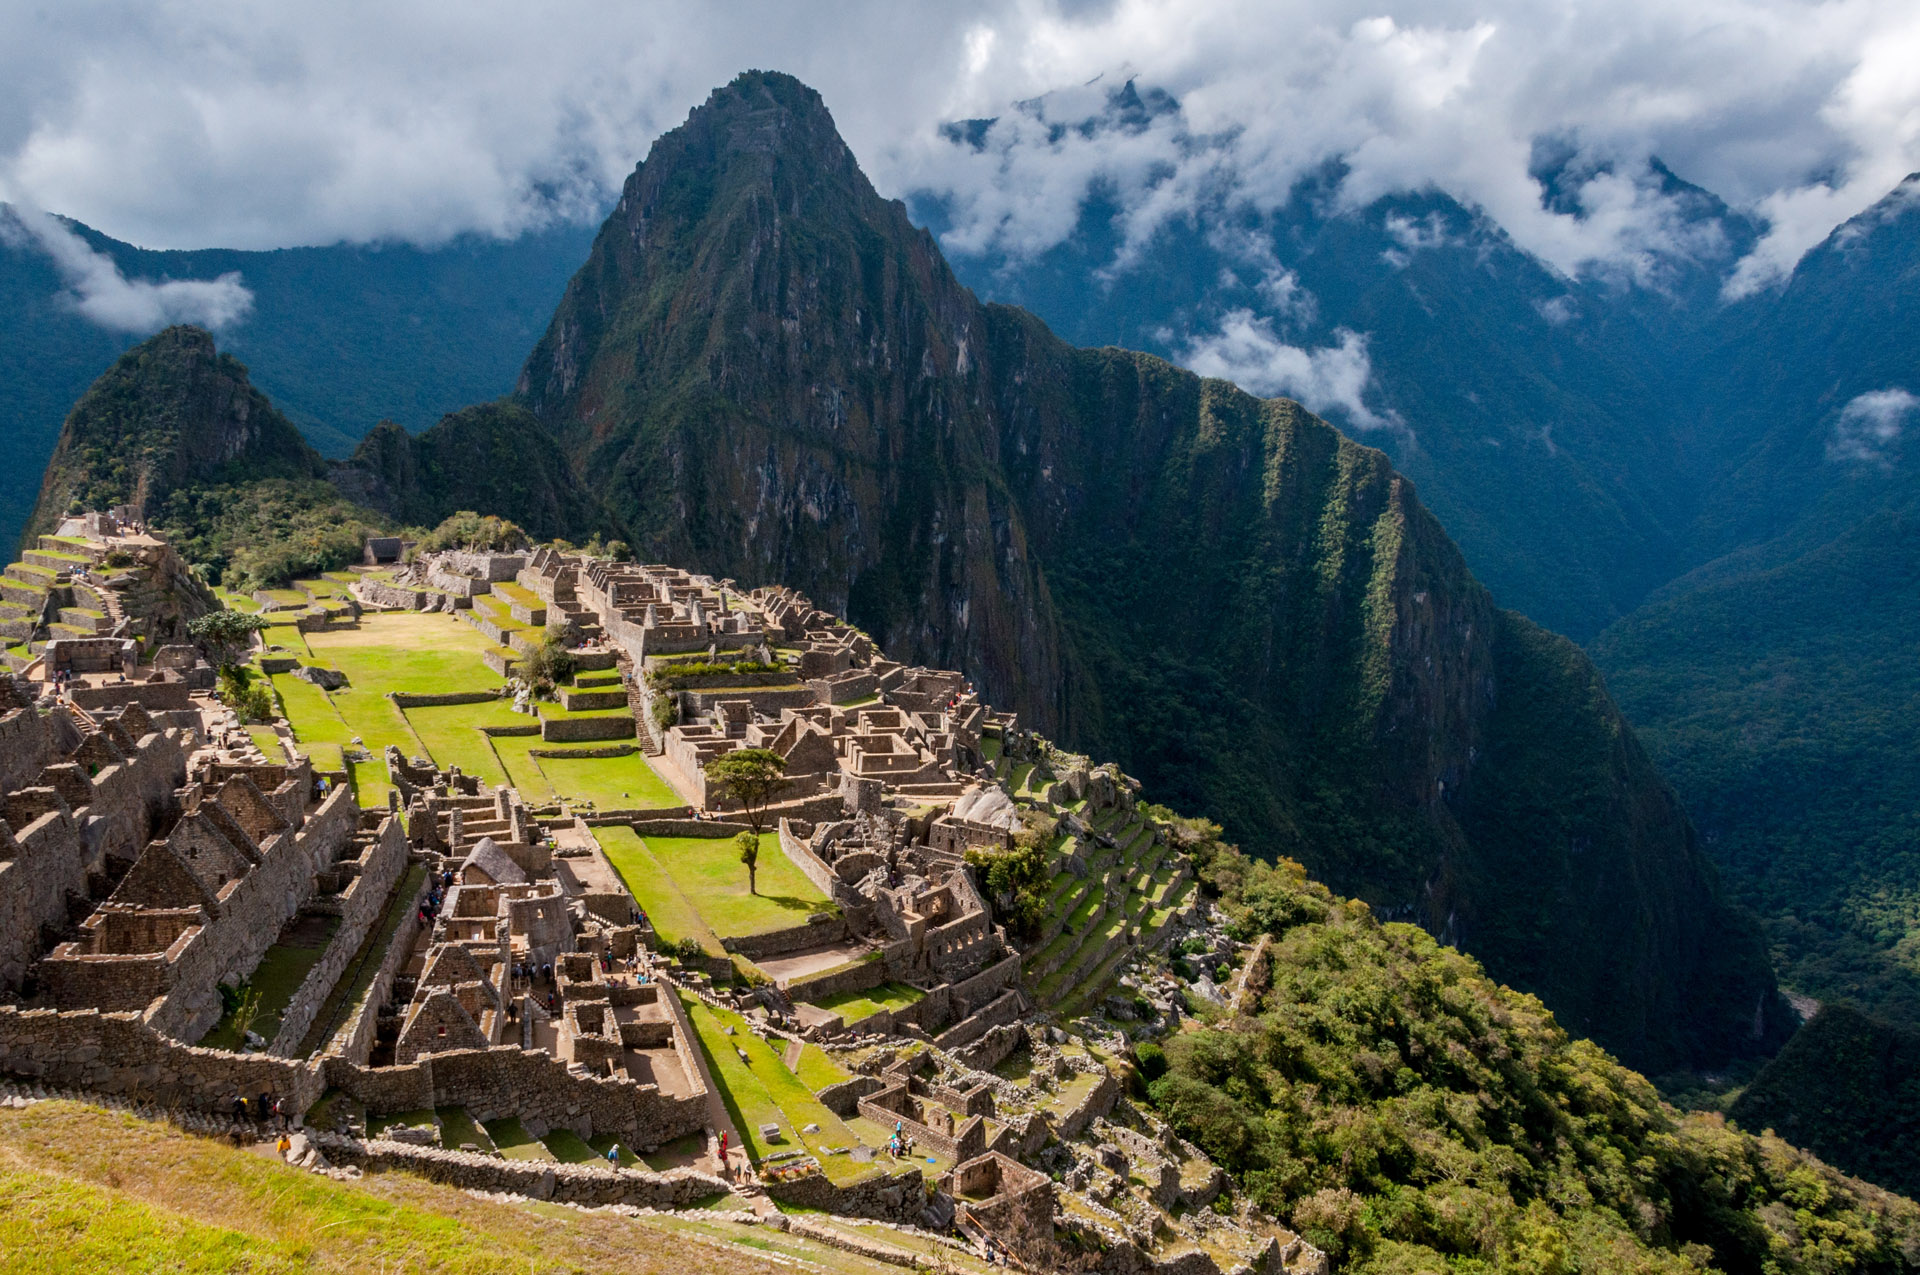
432,654
696,887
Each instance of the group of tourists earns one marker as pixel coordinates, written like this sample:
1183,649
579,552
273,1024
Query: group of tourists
266,1109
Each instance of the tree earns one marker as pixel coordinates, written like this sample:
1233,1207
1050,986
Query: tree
750,776
619,550
239,691
749,844
223,635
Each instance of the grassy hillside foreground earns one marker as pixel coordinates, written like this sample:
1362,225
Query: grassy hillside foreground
82,1189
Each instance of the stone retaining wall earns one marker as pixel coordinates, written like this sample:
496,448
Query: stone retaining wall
585,1184
403,699
579,730
811,866
668,827
892,1197
860,976
362,906
610,750
795,938
354,1043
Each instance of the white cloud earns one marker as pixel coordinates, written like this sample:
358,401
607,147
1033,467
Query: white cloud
219,122
97,289
1332,380
1870,425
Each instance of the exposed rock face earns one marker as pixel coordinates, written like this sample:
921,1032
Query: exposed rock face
767,372
172,411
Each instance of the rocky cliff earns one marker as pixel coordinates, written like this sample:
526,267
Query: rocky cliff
766,371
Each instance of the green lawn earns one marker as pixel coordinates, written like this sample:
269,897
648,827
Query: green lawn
514,1142
457,1127
319,726
709,873
816,1070
523,771
610,783
605,1142
760,1090
673,917
407,651
277,978
567,1148
452,735
854,1006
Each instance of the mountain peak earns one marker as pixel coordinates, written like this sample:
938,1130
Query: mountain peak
171,411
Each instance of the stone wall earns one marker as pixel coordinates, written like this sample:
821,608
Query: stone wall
857,976
252,912
688,828
579,730
118,1053
811,866
827,928
355,1042
892,1197
363,904
403,699
585,1184
161,696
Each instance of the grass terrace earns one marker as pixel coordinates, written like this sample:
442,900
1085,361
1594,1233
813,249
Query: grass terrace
278,976
708,872
758,1089
673,915
84,1190
610,783
816,1070
855,1006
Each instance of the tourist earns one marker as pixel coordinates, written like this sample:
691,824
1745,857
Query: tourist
239,1108
282,1145
723,1150
613,1156
264,1111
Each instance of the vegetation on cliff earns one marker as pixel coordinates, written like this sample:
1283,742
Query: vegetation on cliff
766,371
1847,1088
1409,1114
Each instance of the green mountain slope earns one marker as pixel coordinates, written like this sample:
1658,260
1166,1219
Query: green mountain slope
495,457
766,371
1847,1088
176,428
1776,683
171,412
339,336
1407,1114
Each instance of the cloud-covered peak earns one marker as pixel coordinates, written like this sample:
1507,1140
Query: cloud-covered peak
99,292
220,123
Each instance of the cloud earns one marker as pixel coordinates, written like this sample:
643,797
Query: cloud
178,124
97,289
1331,380
1870,425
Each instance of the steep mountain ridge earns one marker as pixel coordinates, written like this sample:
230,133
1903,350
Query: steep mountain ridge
171,412
338,336
766,370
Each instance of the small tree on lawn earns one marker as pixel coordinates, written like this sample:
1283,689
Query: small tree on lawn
750,776
224,635
749,845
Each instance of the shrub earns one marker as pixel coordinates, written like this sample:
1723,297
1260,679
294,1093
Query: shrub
1152,1060
469,530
